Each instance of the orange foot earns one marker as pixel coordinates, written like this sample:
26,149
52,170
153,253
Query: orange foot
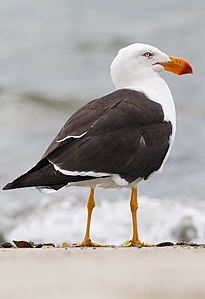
138,243
89,243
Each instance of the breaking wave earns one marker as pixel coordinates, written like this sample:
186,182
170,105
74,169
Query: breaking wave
64,220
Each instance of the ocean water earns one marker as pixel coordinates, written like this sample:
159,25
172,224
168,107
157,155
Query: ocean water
54,57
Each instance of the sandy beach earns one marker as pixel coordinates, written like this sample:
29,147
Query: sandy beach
144,273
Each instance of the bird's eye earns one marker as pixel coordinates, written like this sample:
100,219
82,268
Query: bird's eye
148,54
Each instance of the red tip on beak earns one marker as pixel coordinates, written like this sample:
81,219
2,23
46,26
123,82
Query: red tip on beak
177,65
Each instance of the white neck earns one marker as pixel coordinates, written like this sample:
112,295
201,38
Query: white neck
122,77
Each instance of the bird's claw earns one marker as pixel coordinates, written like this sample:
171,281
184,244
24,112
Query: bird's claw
137,243
89,243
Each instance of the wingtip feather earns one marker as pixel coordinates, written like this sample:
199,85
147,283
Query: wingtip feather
8,186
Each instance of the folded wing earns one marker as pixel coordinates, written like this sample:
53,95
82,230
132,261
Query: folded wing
122,133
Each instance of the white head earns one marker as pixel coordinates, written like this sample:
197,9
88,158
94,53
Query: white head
138,62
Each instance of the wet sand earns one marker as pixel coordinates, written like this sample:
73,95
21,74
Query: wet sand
144,273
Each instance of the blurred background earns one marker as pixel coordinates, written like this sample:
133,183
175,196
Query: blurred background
54,57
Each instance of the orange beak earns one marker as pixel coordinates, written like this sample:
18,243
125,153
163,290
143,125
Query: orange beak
178,66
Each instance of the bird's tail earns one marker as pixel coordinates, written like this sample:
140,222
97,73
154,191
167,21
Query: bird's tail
43,174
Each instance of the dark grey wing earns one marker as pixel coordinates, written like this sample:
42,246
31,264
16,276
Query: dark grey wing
122,133
83,119
130,138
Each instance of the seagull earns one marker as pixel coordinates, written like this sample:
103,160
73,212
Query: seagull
117,140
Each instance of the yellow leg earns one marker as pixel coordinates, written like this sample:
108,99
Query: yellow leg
90,206
134,207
